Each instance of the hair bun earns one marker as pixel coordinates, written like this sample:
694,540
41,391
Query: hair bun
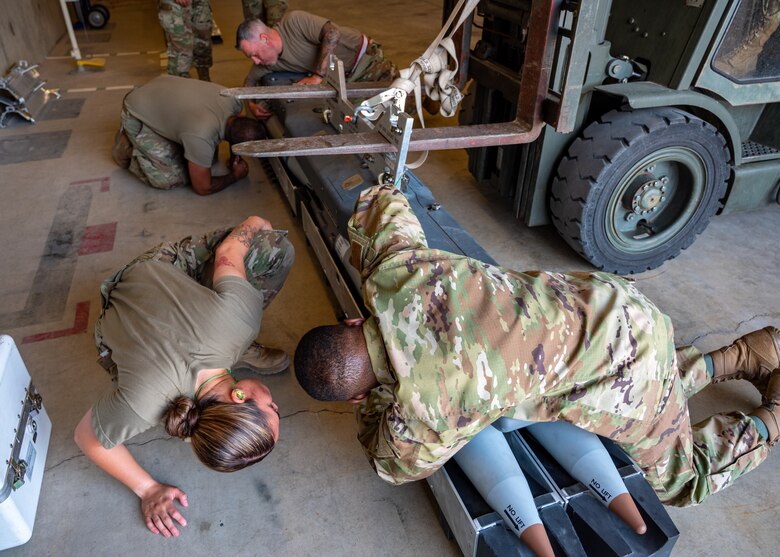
182,417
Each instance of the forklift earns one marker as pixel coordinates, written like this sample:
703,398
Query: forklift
658,116
627,125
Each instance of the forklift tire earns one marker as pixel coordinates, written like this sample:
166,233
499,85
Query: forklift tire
97,17
636,187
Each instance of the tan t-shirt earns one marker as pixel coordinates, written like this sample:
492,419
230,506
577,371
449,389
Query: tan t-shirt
300,32
163,327
189,112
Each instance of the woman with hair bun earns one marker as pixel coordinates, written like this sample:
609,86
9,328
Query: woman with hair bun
229,427
174,324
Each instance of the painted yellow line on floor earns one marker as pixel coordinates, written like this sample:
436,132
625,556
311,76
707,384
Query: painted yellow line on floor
104,54
95,89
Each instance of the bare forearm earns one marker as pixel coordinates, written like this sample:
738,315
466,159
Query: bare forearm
121,465
157,500
203,183
219,183
330,38
116,462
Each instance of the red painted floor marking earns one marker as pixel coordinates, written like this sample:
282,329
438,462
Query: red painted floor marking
103,181
87,181
79,326
98,239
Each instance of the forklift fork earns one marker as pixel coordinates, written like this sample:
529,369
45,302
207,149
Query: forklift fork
543,34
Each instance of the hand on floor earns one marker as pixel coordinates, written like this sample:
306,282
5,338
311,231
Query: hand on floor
159,511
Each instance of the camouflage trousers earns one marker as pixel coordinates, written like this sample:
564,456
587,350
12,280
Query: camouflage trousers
269,12
686,463
187,35
267,264
372,66
156,161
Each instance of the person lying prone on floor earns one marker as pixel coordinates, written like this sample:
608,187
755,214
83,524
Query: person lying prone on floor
452,344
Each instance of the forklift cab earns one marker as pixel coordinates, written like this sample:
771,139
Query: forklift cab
744,66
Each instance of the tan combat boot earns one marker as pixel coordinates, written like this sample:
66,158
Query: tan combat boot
263,360
769,411
751,357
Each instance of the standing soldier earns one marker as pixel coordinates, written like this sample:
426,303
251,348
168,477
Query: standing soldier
187,26
268,11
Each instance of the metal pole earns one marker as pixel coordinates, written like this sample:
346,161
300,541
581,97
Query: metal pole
75,52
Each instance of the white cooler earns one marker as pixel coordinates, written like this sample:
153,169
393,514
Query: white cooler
25,430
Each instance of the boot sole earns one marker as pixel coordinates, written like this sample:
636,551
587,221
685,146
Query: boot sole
244,366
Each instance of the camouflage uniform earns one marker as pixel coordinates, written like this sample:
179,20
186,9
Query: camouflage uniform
269,12
156,161
267,264
187,34
457,343
300,33
373,66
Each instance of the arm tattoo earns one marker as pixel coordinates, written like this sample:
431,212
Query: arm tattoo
330,36
328,40
224,262
243,234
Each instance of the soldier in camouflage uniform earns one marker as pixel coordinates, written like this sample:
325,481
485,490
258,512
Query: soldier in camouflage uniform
302,43
175,337
268,11
162,164
171,130
453,344
187,25
267,264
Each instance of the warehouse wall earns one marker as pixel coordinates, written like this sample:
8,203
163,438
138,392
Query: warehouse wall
28,30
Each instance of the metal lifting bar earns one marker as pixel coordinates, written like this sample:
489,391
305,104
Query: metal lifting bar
526,127
321,91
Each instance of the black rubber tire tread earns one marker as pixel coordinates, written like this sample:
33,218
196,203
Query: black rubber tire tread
587,175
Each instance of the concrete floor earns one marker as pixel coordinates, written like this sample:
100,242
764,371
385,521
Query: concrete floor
315,494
